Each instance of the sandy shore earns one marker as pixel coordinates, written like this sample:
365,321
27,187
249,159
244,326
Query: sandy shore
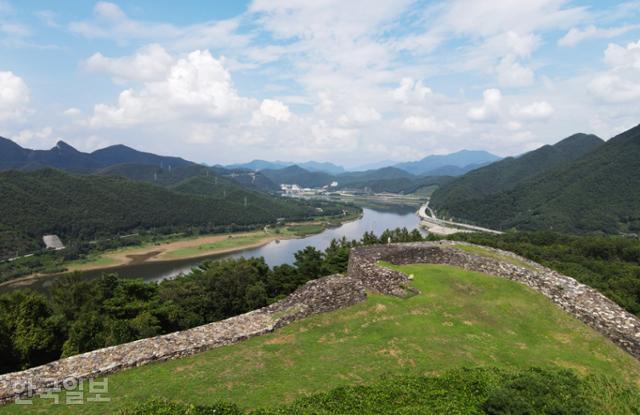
160,252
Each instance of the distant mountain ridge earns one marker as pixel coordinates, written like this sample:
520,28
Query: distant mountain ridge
312,166
64,157
464,159
597,191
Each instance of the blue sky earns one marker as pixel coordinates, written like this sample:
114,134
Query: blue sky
351,82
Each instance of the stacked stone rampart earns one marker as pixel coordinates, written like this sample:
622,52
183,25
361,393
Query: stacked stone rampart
332,293
321,295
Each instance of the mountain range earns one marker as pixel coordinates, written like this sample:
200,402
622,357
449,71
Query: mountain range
578,185
65,157
444,165
454,164
313,166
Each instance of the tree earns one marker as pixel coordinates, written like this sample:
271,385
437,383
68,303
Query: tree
309,262
36,337
86,334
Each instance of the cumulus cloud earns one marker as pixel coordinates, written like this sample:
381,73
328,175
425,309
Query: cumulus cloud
513,73
576,35
411,91
621,83
426,124
621,56
14,96
490,107
275,109
539,110
197,86
149,63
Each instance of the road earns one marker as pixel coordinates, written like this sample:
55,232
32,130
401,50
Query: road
445,226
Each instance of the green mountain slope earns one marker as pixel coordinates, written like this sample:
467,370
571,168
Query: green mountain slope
88,207
506,174
598,192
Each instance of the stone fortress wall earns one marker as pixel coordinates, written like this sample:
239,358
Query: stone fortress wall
579,300
332,293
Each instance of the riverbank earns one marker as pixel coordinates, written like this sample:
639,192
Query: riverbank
192,247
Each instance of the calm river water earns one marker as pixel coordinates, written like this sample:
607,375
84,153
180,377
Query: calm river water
274,253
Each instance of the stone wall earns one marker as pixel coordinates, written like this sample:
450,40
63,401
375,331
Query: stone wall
332,293
321,295
581,301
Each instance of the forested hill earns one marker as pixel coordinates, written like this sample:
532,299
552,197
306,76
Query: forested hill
598,192
506,174
64,157
86,207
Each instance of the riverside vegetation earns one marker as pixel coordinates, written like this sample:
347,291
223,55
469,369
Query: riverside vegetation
76,315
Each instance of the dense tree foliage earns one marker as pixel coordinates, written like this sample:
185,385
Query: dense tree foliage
84,208
506,174
77,315
597,192
490,391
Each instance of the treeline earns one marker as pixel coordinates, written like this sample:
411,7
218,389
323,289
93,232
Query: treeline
85,208
77,316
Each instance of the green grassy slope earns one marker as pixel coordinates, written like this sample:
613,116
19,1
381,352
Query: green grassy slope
461,319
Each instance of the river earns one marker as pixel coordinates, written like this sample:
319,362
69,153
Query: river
274,253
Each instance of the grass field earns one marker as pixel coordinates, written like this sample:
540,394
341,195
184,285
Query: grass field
461,319
229,243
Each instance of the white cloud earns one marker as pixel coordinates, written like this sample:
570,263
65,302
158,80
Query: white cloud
576,35
72,112
411,91
150,63
490,107
621,83
498,16
620,56
275,109
111,22
539,110
25,137
197,86
512,73
14,96
426,124
359,116
617,86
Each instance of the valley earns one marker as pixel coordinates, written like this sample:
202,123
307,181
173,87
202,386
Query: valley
363,207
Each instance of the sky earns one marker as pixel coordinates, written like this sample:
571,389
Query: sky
352,82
